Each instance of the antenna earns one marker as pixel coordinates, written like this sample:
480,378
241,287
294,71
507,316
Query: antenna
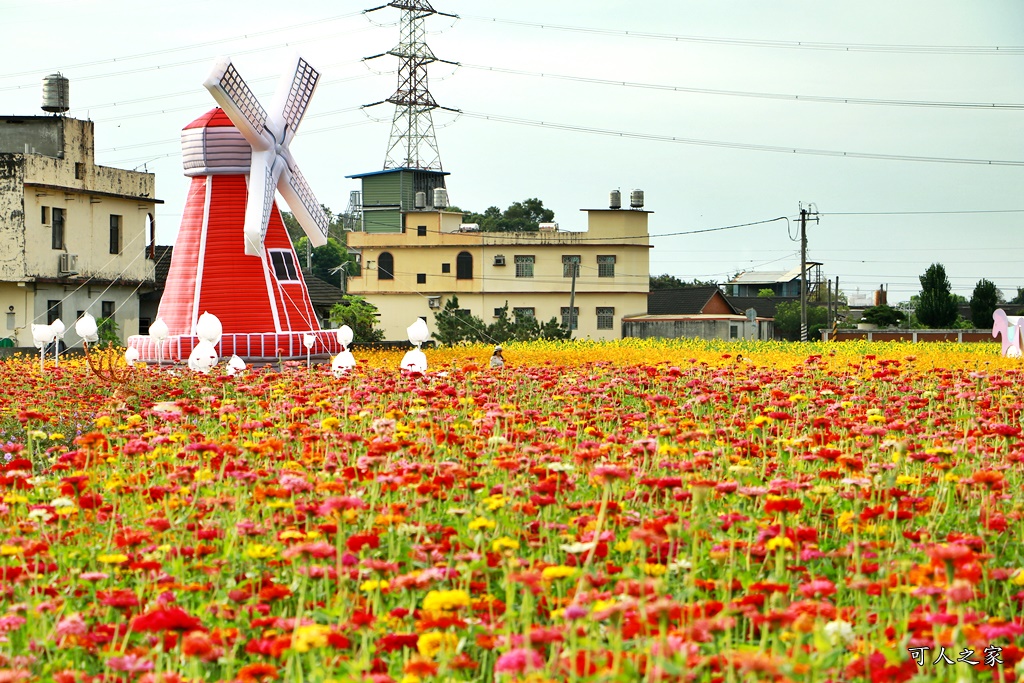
412,143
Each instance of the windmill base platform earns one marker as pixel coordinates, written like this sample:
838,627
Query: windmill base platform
250,347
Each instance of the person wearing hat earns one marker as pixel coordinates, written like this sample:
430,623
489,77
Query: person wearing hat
497,360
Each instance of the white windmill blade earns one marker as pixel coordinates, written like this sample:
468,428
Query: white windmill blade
306,209
263,176
292,97
240,104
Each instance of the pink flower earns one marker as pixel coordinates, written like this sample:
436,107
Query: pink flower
130,663
72,625
518,661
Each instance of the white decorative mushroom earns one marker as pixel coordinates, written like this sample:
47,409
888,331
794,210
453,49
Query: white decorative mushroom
42,335
158,331
87,329
208,328
236,366
344,361
345,336
415,360
131,354
203,357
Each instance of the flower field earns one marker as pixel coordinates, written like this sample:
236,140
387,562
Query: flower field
631,511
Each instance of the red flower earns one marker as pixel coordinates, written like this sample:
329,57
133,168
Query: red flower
166,619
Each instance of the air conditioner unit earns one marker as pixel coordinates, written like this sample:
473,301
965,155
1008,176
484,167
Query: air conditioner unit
434,301
499,260
68,264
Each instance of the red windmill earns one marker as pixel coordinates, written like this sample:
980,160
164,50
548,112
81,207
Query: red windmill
232,256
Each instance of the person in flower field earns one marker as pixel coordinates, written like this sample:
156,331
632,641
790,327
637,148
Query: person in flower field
497,360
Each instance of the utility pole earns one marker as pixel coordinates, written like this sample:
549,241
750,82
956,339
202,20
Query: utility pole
803,270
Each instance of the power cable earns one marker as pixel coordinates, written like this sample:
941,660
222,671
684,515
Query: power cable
759,95
778,44
737,145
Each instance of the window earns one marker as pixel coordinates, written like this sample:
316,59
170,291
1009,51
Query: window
734,331
45,216
421,278
605,318
115,234
107,310
464,266
521,313
606,266
446,267
575,321
57,238
386,266
52,311
144,324
79,170
524,266
421,231
284,265
463,313
570,266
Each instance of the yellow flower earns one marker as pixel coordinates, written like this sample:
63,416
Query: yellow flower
291,535
113,558
494,502
329,423
557,572
1018,578
310,636
258,551
37,434
779,542
904,479
56,436
433,642
482,523
624,546
104,421
372,585
504,543
659,569
445,601
6,549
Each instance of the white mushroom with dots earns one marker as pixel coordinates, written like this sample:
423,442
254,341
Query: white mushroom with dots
344,361
415,360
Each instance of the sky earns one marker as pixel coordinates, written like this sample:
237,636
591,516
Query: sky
622,90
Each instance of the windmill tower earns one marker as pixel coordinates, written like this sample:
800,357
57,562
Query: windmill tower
412,143
233,257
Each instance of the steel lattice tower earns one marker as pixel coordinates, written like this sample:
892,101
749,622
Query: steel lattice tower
412,143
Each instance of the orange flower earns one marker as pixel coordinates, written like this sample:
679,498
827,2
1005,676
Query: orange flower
257,673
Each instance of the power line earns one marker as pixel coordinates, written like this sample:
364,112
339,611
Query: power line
738,145
759,95
778,44
181,48
918,213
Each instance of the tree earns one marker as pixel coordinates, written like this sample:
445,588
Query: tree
787,320
524,216
984,302
883,316
360,315
765,293
1019,299
454,324
937,307
324,260
667,281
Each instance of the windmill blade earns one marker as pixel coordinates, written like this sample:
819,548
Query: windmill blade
263,176
292,97
239,102
306,209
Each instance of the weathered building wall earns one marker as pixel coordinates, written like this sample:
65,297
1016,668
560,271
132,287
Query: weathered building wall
32,135
12,217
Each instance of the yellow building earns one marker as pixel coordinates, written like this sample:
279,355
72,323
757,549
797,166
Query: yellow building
74,236
414,259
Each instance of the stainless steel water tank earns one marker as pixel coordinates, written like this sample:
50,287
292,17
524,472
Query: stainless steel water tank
55,94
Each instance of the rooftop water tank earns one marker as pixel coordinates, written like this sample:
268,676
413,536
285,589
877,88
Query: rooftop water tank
636,199
56,94
421,200
615,200
440,198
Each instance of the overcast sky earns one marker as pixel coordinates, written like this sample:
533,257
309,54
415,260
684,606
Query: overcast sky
136,69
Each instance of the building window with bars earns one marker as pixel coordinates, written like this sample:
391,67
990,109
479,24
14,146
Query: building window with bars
570,266
606,266
115,234
571,322
605,317
53,311
524,266
107,310
522,313
57,238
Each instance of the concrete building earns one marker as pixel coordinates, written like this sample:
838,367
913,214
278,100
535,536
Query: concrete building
415,256
74,236
701,312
